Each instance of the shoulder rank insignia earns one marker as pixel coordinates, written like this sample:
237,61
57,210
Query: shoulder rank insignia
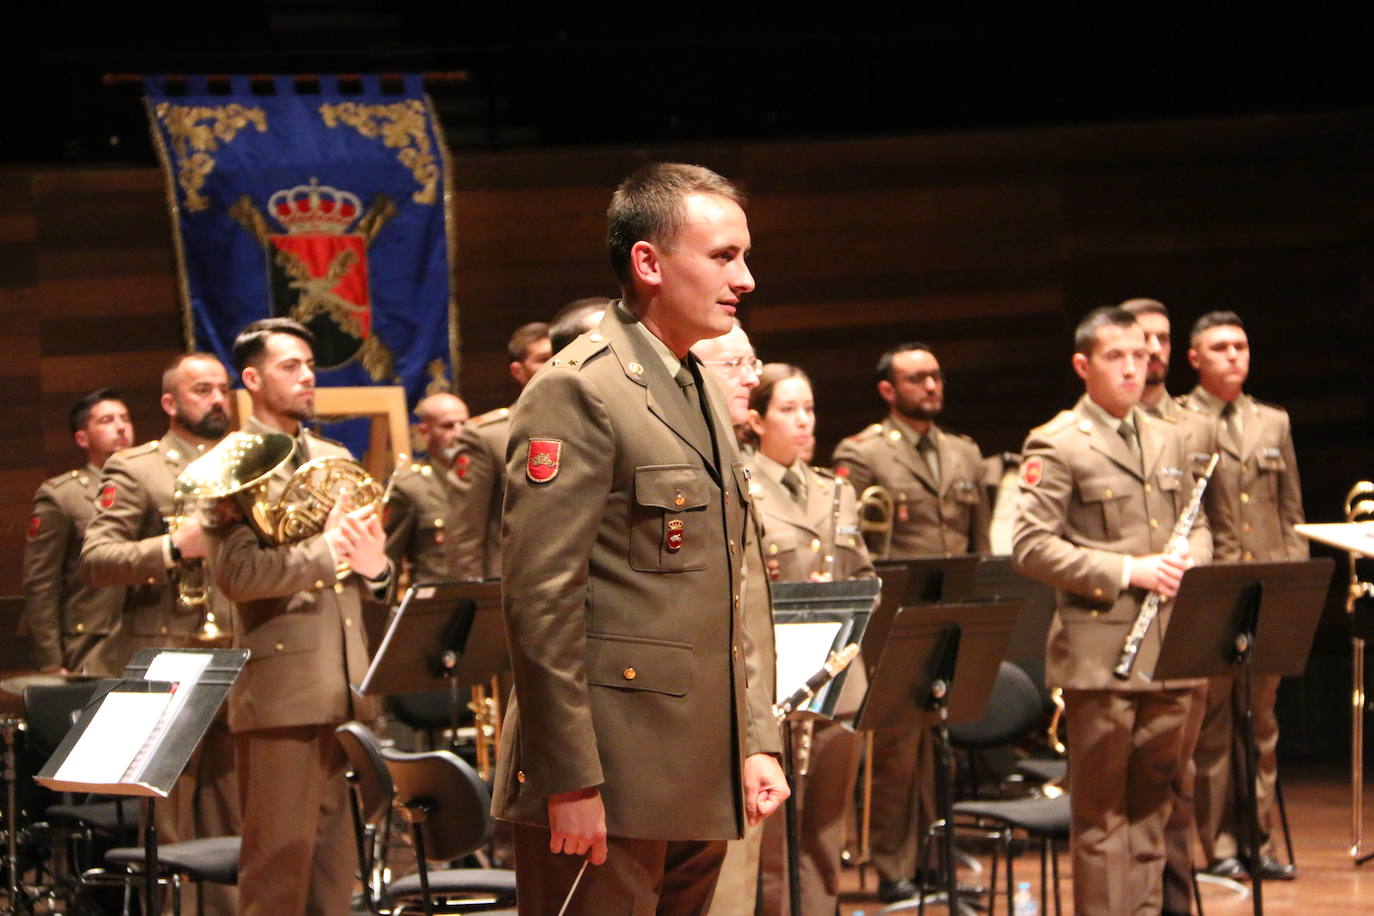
541,464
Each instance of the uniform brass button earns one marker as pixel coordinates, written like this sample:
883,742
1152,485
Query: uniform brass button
894,435
630,673
1096,613
1109,493
815,545
1245,497
1154,523
426,470
280,646
1245,527
438,523
734,651
636,368
737,602
732,547
1148,488
1248,556
338,588
152,580
1097,593
348,621
772,549
519,775
853,542
81,628
679,500
319,583
163,631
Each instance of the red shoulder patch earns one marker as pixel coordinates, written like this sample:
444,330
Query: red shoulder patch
460,464
35,526
541,464
842,471
106,497
1032,471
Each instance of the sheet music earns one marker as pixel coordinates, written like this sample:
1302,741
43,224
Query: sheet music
802,649
114,737
183,669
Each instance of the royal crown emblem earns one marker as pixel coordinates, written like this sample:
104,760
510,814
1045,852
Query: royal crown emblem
314,207
317,269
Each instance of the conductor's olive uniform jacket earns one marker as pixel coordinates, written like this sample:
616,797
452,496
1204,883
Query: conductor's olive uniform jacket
623,555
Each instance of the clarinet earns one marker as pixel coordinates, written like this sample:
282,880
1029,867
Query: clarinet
1149,608
837,662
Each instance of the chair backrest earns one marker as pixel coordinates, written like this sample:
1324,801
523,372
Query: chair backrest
428,710
49,711
458,803
1013,711
370,773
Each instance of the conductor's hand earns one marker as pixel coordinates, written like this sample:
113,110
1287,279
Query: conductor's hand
1160,572
577,824
765,787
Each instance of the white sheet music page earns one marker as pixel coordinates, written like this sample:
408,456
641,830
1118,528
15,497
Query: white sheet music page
113,738
183,669
802,650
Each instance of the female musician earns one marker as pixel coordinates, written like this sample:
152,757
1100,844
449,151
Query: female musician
810,532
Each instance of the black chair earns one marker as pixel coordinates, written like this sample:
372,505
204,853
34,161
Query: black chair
370,793
212,860
1013,712
448,808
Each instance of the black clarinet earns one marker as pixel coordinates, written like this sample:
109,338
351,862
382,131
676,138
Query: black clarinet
1149,608
837,662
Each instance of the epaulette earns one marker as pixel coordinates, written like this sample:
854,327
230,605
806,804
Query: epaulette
491,416
955,435
868,432
828,473
68,477
1063,420
134,451
582,349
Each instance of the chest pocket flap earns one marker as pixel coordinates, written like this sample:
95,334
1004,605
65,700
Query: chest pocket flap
674,487
639,663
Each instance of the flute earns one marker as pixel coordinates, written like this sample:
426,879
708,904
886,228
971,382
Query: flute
1149,608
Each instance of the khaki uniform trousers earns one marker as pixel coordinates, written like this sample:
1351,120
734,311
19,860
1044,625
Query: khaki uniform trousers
298,854
903,789
638,878
824,797
1220,761
737,888
1124,750
1178,831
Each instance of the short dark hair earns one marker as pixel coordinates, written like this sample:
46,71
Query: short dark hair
80,414
1085,335
574,319
524,337
1217,319
647,206
170,370
761,397
252,340
1138,307
883,371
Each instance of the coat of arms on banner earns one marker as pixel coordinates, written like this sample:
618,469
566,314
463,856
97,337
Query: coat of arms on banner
317,268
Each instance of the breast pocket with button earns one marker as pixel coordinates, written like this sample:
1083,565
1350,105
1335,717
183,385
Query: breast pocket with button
1102,499
668,518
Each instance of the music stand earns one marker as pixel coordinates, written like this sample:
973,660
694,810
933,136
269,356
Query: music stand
166,745
996,577
837,613
938,669
1238,620
444,636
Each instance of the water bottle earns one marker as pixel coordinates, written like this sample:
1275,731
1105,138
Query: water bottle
1023,904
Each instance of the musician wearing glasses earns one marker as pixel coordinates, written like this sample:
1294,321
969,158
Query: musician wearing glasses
300,615
129,544
939,507
1260,472
1102,486
810,534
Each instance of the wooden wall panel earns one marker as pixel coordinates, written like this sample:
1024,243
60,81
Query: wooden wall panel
989,246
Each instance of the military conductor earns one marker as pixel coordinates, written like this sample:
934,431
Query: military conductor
635,737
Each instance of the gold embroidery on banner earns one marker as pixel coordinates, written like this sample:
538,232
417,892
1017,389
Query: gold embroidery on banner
400,125
193,140
438,381
377,359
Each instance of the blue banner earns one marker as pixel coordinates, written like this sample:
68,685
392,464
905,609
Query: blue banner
324,206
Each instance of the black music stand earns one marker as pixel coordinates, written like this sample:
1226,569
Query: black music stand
996,577
938,669
167,748
444,636
1238,620
847,606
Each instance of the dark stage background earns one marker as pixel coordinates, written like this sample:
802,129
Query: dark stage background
977,182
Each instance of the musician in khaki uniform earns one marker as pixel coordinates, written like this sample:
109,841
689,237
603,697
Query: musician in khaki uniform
302,624
479,466
1260,473
735,368
1101,488
65,617
1200,436
128,544
810,533
634,738
940,508
424,504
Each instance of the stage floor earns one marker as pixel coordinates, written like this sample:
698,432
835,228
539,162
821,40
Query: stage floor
1328,881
